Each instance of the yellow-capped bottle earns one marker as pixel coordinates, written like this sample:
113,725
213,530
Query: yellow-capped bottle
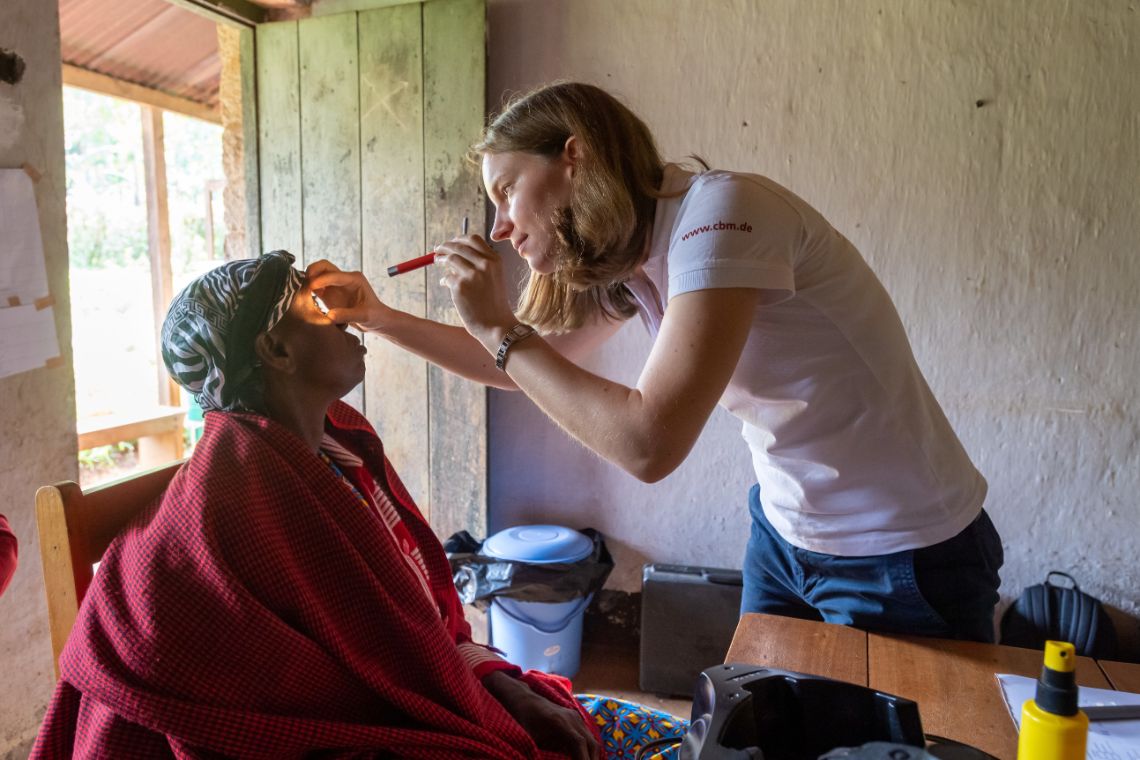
1052,727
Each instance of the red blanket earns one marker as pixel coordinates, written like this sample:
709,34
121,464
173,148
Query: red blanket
8,553
259,611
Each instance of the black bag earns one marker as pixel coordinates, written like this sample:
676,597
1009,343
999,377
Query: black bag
1060,613
479,577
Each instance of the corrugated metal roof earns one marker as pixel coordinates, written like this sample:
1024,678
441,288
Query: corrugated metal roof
147,42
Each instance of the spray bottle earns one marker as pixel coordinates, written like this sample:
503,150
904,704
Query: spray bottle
1052,728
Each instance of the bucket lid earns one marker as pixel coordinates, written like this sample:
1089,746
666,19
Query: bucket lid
539,544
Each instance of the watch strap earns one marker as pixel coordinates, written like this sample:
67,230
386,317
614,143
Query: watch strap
513,336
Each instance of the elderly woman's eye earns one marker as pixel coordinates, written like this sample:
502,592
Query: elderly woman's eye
321,306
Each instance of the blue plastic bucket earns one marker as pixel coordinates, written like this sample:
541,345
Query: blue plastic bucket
544,636
540,636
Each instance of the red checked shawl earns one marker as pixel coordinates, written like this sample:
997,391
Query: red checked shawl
262,612
8,553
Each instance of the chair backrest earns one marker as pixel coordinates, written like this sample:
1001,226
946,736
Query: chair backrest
76,528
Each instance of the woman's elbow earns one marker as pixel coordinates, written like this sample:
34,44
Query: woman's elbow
649,475
656,464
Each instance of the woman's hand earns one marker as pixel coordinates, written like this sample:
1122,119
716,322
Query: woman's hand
473,272
551,726
348,296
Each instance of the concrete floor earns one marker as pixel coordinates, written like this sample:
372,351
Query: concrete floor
609,663
610,668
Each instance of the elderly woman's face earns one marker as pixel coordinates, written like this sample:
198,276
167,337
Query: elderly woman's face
328,357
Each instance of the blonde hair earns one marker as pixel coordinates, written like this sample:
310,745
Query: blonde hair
605,230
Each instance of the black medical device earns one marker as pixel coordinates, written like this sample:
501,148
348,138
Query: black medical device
748,712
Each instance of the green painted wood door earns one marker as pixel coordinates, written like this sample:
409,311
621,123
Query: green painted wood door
364,119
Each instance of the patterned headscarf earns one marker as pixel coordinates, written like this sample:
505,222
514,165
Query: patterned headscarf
208,335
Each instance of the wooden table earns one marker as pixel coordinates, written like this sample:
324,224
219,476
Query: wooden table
952,681
1124,676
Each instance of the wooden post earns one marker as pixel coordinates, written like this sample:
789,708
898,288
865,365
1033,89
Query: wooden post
209,196
214,186
251,186
158,238
237,101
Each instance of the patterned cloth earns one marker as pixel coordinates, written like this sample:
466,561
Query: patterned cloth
481,659
626,727
207,337
361,482
258,610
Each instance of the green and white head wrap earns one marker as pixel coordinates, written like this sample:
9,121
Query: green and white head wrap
209,331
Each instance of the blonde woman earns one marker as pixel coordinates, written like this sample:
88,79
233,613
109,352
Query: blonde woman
866,508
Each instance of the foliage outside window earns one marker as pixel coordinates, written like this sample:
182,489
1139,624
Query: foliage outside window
113,330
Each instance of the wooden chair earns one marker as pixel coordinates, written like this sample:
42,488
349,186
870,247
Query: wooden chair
76,528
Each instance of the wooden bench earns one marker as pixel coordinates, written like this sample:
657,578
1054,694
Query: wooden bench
158,429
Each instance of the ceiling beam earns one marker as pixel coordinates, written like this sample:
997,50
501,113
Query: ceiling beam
331,7
239,13
117,88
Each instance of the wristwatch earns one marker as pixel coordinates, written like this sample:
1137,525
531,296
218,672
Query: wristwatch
513,336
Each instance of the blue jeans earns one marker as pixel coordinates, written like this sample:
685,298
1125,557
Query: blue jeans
948,590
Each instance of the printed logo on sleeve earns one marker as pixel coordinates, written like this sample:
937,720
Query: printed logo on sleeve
718,227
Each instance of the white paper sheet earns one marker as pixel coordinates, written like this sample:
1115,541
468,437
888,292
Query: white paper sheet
27,339
27,334
1110,740
22,271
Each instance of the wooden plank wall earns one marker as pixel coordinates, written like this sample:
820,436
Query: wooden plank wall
364,120
454,100
279,136
330,140
330,146
392,156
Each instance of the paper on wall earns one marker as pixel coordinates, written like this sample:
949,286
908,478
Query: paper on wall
27,321
23,276
1110,740
27,339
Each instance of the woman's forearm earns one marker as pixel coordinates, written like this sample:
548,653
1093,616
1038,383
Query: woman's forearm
607,417
447,346
647,430
457,351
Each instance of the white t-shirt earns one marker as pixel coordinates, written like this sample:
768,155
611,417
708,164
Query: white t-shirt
853,454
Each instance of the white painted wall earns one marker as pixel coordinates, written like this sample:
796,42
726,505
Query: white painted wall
983,155
37,409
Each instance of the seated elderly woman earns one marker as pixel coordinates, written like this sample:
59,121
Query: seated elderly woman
284,597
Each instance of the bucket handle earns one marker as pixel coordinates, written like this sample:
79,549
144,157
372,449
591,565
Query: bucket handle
556,627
